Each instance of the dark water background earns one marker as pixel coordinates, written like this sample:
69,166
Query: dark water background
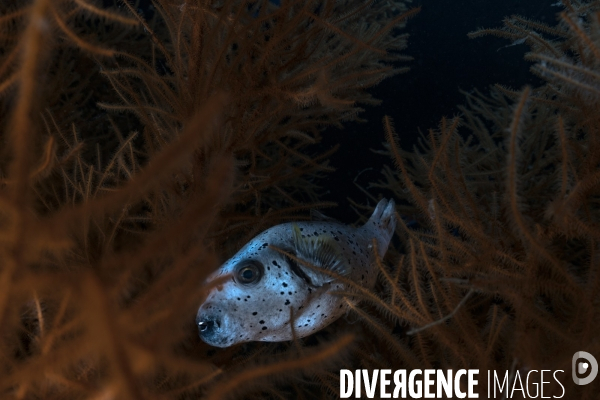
445,61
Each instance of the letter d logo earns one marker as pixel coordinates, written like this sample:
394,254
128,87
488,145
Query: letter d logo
582,367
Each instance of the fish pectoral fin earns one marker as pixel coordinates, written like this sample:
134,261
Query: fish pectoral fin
321,253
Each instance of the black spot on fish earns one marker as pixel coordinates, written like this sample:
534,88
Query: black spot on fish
254,313
298,271
261,322
264,328
287,301
285,284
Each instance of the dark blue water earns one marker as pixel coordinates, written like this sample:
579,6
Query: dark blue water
446,60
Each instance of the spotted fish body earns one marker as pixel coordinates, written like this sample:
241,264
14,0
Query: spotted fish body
268,287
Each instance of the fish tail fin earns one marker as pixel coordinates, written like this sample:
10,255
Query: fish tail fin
382,224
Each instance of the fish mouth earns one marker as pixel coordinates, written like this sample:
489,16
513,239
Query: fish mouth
211,329
206,325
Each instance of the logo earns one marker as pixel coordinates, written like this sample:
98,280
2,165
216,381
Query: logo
580,367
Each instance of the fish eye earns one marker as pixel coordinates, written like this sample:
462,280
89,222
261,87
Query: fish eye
249,272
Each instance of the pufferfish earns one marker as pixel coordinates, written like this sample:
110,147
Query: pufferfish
268,287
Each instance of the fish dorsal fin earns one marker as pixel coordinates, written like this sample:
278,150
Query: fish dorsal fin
316,215
322,252
382,224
